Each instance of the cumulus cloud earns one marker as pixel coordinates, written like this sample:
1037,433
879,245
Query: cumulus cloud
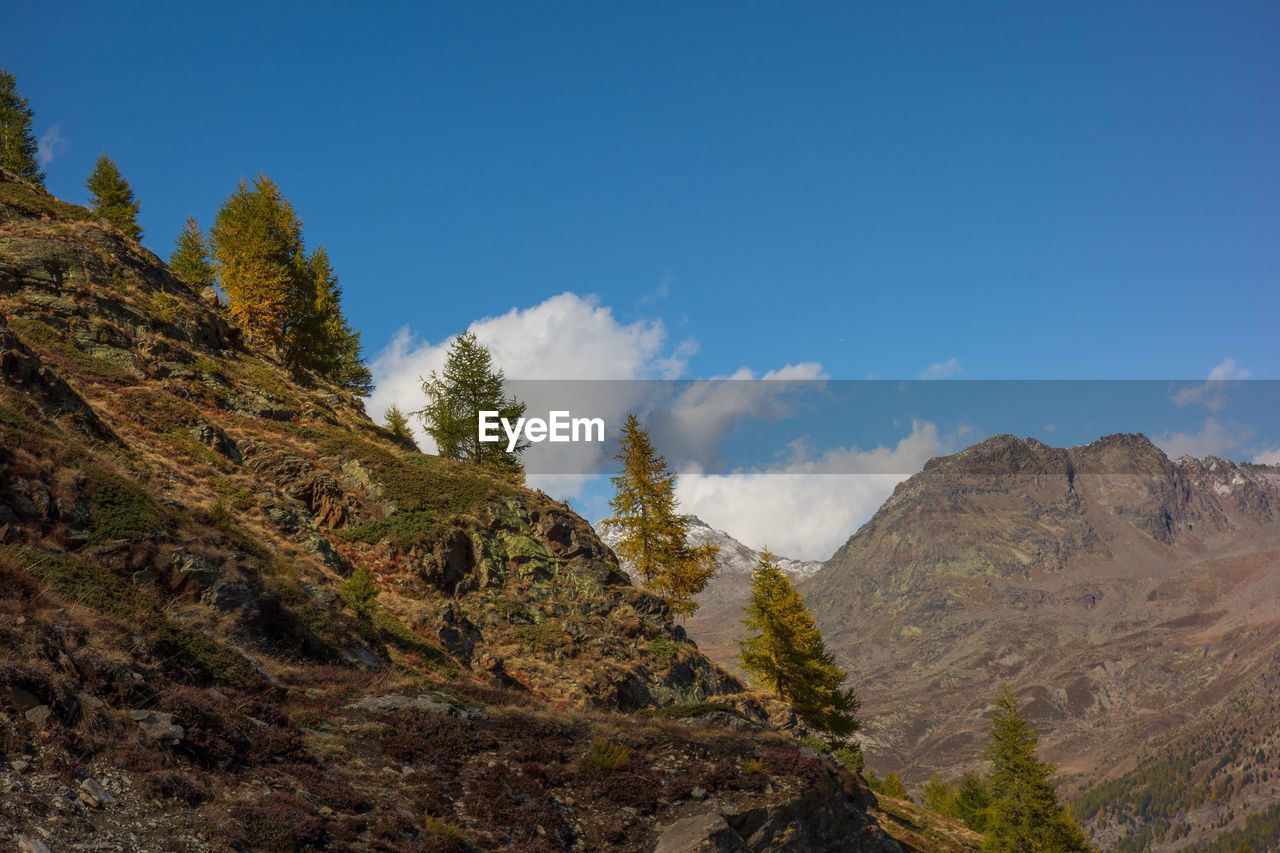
1212,394
807,507
566,337
52,144
1213,439
943,369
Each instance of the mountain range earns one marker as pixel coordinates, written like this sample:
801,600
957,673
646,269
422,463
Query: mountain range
1132,601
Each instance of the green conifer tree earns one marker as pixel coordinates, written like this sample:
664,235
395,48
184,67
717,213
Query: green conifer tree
654,535
893,787
973,800
111,197
398,424
1024,814
468,385
785,651
190,255
321,339
19,150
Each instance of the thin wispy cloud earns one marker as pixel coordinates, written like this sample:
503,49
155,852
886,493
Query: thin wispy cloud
943,369
1212,394
661,292
52,145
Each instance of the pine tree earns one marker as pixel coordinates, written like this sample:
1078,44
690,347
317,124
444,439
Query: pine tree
654,535
259,259
111,197
785,651
18,148
1024,814
321,339
398,424
190,255
468,385
973,800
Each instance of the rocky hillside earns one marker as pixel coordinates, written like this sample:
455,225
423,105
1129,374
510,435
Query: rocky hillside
717,624
184,664
1130,599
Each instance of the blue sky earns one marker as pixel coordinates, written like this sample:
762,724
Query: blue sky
990,190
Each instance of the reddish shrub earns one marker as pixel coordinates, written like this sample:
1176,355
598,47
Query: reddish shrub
280,822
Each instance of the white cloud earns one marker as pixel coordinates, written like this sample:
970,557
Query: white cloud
1267,457
1213,439
691,427
942,369
1212,394
1227,370
52,144
566,337
807,507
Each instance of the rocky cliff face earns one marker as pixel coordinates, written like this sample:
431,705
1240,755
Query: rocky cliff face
180,670
1127,597
717,623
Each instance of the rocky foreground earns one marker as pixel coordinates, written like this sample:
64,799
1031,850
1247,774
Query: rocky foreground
183,667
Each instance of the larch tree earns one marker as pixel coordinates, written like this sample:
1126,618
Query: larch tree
287,302
654,536
111,197
1024,814
19,151
190,255
467,385
259,259
785,651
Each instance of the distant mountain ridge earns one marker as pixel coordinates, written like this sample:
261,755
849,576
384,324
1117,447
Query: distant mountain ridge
734,558
717,626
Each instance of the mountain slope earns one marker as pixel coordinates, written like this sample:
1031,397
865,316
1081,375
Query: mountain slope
180,670
1130,600
717,623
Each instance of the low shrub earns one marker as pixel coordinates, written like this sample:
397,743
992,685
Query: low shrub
607,755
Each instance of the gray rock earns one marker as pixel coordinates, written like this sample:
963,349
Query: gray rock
94,795
31,845
230,596
159,726
324,550
217,441
39,715
705,832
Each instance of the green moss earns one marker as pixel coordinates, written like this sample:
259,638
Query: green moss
687,711
36,204
546,638
119,509
235,496
425,489
95,587
42,336
395,632
667,649
402,529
